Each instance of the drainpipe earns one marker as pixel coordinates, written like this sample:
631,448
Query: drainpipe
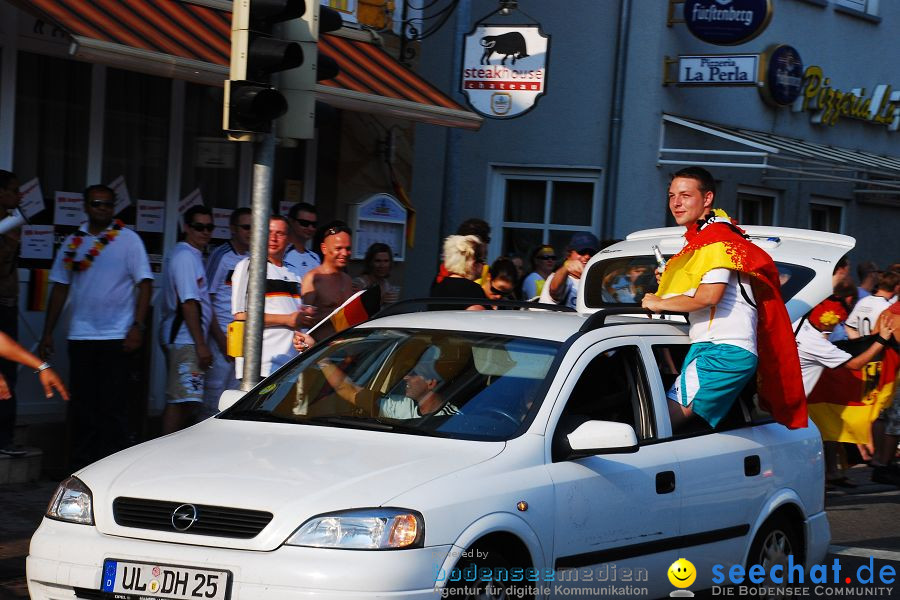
450,196
614,143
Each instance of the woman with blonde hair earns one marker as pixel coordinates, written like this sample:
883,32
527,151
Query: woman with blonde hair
463,260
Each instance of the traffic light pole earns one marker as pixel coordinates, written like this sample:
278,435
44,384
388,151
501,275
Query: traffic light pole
263,164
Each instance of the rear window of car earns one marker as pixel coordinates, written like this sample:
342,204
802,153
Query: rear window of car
623,281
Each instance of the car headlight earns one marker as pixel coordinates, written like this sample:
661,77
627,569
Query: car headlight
72,502
362,529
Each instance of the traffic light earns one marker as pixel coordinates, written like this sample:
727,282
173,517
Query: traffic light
251,102
298,85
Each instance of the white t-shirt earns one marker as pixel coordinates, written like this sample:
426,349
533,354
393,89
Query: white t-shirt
407,408
282,298
219,270
733,319
865,314
301,263
184,278
571,297
103,297
816,353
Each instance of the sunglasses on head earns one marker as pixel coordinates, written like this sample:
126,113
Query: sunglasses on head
202,227
99,203
305,223
335,230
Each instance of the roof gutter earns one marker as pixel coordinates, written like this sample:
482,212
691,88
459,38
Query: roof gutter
614,143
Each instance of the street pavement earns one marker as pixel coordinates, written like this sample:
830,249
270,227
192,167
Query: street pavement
865,522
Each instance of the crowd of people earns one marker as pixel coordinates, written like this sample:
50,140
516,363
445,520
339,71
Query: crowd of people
739,325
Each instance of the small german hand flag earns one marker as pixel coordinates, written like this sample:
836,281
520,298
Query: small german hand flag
358,308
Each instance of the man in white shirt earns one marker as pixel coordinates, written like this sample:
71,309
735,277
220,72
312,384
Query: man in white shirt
186,319
219,272
867,310
103,272
283,312
561,287
299,258
817,353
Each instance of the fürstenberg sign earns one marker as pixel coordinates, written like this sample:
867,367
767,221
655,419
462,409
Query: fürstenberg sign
828,104
727,22
737,69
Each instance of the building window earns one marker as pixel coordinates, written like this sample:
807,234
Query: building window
826,216
534,207
755,207
209,162
52,114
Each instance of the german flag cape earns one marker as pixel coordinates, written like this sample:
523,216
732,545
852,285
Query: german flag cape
719,243
358,308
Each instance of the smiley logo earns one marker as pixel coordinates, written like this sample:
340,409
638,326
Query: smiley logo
682,573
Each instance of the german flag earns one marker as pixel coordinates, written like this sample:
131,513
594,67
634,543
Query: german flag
358,308
845,401
719,242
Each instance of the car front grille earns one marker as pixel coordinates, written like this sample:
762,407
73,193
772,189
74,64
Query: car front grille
210,520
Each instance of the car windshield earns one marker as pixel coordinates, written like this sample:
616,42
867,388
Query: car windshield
625,280
448,384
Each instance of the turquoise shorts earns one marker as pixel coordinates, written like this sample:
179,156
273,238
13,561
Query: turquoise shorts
711,379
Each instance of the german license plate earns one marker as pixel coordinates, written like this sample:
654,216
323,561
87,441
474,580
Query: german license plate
127,580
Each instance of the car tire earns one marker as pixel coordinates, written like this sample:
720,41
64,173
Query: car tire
475,588
774,542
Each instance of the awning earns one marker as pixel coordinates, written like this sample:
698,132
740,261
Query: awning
779,157
191,40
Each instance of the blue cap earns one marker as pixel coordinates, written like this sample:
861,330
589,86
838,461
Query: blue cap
583,239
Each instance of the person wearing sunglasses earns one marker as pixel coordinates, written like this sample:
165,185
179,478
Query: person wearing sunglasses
561,287
543,260
219,271
187,318
501,285
301,258
103,273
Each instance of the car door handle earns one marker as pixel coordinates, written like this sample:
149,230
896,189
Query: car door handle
665,482
751,465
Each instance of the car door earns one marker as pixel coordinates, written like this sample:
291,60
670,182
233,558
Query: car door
616,513
724,473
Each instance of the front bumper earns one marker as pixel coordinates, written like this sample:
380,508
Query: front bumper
64,556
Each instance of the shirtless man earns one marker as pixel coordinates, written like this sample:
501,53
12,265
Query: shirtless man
327,286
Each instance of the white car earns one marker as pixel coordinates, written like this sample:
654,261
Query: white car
448,454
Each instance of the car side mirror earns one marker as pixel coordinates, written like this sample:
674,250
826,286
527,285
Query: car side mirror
229,398
602,437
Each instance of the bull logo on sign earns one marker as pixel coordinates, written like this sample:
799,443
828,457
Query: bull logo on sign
507,44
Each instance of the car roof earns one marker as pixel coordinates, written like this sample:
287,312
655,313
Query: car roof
537,324
816,250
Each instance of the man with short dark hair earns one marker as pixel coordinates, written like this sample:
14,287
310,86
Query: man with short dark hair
730,288
219,270
303,223
865,313
283,312
867,272
103,272
186,320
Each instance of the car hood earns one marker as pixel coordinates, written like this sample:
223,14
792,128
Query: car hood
292,471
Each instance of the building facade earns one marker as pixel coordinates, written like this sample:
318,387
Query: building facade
598,148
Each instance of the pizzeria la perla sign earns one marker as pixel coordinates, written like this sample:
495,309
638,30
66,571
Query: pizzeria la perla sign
504,69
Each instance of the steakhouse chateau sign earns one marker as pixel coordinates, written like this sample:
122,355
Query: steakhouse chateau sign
504,69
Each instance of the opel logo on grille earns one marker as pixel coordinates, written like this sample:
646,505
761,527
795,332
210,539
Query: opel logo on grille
184,517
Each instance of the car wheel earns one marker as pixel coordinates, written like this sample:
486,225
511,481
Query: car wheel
479,578
775,541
